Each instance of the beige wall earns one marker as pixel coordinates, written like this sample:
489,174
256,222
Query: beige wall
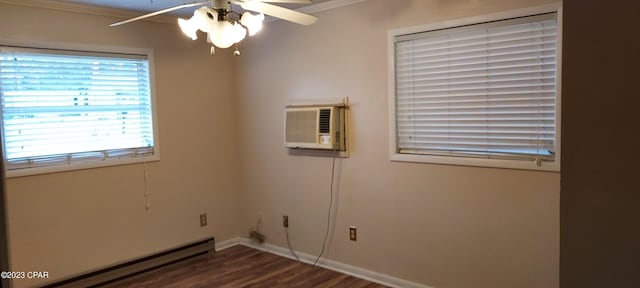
69,223
442,226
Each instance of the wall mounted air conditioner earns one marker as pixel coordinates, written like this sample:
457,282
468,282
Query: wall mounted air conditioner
315,127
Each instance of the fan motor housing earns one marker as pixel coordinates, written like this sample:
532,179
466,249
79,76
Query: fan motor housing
221,4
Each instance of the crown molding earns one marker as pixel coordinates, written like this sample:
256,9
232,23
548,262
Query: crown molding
87,9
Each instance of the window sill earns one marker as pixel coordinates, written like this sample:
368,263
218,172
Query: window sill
479,162
79,166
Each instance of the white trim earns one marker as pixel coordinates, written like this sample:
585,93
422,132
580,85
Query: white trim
228,243
560,36
79,166
361,273
328,5
548,8
74,46
476,162
88,9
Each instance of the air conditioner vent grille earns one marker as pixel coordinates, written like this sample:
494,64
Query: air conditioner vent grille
325,121
301,126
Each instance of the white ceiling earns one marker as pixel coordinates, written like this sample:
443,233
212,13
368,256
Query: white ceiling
155,5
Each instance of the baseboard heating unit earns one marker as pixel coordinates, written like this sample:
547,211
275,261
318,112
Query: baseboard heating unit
135,267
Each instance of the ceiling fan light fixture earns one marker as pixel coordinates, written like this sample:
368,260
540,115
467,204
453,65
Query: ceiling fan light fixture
252,22
197,22
239,33
203,17
225,27
223,34
189,28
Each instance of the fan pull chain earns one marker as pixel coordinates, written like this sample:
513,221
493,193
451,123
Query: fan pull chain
147,204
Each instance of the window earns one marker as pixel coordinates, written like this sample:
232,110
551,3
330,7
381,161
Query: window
65,110
478,94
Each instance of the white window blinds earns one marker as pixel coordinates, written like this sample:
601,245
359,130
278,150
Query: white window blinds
61,107
486,90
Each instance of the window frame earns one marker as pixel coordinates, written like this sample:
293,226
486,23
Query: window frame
83,49
394,153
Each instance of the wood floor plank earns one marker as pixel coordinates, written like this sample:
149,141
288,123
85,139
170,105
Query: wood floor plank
243,267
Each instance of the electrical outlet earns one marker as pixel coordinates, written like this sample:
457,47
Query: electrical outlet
353,233
285,221
203,220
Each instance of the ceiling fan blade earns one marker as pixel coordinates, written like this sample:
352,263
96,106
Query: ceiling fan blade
277,11
158,13
289,1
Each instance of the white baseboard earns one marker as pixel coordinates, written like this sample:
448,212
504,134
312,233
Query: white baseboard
325,263
228,243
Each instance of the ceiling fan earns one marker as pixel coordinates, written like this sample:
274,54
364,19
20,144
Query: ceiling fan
226,27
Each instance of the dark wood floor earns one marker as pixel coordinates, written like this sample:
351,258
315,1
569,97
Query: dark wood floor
241,266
